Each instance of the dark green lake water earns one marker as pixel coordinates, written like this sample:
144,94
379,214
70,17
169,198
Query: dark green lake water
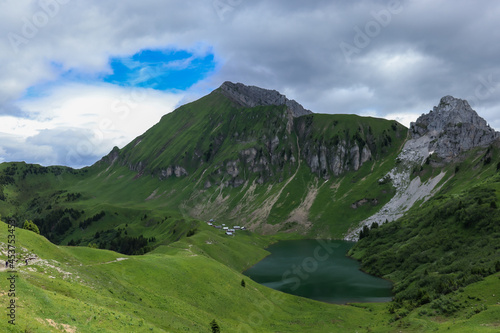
318,270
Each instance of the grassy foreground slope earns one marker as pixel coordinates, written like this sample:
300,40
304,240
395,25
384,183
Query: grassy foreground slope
183,287
172,289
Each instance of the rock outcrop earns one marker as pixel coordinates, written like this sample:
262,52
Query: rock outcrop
345,156
453,127
251,96
175,170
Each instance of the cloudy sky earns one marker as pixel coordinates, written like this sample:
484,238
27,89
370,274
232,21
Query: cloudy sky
79,77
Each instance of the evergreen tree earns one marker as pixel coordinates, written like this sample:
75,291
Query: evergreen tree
364,232
243,284
215,327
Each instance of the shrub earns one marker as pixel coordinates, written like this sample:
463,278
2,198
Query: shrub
29,225
445,305
191,232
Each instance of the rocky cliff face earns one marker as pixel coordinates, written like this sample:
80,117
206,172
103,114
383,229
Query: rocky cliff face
333,155
453,127
251,96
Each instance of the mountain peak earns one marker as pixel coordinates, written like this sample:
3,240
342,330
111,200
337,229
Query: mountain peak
453,127
458,111
251,96
449,103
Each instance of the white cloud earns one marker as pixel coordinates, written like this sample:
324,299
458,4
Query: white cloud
403,118
84,122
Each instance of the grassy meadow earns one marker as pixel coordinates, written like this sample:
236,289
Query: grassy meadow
184,286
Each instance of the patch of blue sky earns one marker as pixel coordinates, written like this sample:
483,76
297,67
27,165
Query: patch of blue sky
157,69
34,92
161,70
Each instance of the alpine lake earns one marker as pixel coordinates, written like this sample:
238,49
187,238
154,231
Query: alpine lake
319,270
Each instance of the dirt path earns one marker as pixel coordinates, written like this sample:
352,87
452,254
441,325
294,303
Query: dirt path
191,251
108,262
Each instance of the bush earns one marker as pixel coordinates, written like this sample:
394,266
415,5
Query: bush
29,225
445,305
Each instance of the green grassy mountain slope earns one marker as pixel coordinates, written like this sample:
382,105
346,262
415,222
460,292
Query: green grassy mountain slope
260,167
444,244
75,206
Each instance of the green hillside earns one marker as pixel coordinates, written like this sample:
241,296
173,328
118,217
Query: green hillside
441,246
184,286
212,159
175,288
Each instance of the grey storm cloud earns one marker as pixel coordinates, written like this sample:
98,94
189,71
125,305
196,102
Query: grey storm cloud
381,58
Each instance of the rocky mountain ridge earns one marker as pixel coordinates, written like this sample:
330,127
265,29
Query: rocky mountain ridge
448,130
252,96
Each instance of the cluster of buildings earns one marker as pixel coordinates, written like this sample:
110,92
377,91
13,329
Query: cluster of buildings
227,230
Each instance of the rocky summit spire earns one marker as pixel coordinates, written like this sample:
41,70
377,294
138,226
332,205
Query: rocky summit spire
453,127
250,96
